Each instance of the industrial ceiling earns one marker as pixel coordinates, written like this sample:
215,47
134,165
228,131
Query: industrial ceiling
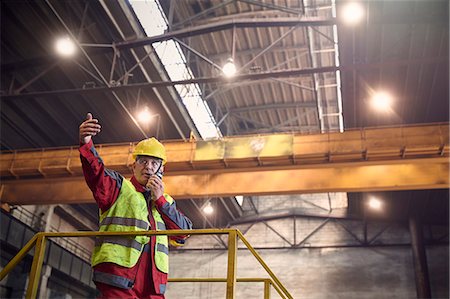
301,69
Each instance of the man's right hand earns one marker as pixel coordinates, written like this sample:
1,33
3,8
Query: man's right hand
90,127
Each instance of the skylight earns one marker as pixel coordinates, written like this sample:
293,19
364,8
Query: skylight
154,23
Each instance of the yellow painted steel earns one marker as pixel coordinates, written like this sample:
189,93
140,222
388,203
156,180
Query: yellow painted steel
267,282
245,152
263,264
40,241
414,174
396,158
232,265
216,279
36,267
280,292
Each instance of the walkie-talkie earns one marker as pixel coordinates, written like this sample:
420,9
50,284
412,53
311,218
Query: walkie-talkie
159,173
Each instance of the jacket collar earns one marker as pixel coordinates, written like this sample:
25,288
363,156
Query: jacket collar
139,187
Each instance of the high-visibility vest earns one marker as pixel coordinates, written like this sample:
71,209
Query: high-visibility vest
130,213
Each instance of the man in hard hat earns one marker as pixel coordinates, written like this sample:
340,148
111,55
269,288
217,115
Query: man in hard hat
133,267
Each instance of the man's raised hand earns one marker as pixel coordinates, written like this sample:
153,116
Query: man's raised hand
90,127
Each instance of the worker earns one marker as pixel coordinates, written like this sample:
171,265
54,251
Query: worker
130,267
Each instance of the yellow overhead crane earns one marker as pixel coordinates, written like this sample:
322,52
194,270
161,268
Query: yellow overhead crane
368,159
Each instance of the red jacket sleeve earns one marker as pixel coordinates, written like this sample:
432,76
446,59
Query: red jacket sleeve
104,183
173,218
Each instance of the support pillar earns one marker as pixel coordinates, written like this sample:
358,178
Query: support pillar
45,275
43,217
419,255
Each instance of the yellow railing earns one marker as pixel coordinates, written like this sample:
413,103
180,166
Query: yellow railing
267,283
39,240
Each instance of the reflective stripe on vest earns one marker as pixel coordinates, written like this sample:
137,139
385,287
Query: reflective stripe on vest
131,213
114,280
119,241
161,226
162,248
162,288
125,221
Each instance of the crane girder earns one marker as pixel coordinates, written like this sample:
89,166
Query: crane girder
395,158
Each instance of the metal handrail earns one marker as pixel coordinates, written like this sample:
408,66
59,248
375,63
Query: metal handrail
39,240
30,219
267,283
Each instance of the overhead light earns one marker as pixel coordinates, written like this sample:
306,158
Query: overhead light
375,204
382,101
65,47
352,13
208,209
144,116
229,69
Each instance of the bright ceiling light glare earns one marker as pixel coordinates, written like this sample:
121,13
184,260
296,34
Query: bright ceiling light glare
208,209
375,204
65,47
240,199
144,116
229,69
382,101
352,13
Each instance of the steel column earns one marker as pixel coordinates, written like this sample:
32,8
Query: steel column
232,264
419,256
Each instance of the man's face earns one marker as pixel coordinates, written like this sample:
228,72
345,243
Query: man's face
144,167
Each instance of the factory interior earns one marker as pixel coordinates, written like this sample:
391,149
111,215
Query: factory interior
306,140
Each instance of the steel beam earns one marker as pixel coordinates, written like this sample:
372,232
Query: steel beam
274,6
237,78
204,12
404,158
291,105
228,24
92,63
353,177
213,26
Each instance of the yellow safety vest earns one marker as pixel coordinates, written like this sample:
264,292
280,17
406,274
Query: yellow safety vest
130,213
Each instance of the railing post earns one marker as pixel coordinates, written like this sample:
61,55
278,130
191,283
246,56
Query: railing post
267,284
277,283
232,262
36,267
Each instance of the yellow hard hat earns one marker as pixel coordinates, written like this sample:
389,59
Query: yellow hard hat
150,147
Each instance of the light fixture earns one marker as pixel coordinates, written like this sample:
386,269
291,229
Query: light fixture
144,116
65,47
375,204
352,13
381,101
229,69
208,209
239,199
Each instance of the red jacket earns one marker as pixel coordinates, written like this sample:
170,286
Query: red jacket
105,186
